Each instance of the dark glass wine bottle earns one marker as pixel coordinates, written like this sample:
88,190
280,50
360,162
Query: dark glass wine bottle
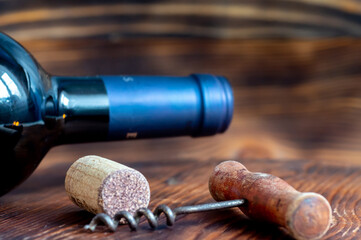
38,110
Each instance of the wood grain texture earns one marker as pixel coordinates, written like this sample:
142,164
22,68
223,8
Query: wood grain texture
216,19
293,99
297,105
38,209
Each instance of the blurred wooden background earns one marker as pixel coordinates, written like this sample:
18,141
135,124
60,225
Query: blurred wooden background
217,19
295,67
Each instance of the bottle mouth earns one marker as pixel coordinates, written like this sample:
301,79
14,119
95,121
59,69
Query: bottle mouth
217,104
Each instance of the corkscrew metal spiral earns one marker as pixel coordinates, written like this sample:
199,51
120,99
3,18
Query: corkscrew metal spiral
152,217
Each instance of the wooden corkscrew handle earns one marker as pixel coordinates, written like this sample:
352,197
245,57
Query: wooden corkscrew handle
269,198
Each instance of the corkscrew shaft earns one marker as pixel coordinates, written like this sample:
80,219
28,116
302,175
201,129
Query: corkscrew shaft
152,217
208,207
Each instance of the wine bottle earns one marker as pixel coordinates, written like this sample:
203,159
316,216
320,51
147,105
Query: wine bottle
39,110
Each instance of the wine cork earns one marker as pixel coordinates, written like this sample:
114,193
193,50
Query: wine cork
100,185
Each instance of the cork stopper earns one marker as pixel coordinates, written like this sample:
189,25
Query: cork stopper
100,185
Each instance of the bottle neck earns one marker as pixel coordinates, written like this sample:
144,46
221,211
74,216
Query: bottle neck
123,107
83,104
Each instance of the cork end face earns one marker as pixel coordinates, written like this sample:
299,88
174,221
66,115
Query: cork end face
125,189
309,216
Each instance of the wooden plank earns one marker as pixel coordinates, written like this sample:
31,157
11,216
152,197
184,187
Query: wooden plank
40,209
215,19
297,106
293,99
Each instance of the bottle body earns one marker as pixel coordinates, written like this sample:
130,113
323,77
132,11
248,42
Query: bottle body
38,111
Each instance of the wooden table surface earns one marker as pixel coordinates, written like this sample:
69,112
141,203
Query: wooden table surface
297,112
297,116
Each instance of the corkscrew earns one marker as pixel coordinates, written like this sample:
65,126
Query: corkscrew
306,215
152,217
